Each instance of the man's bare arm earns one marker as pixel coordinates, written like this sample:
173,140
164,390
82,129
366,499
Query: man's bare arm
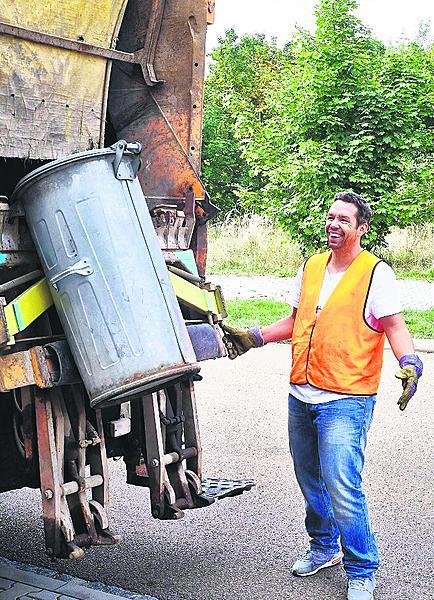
399,337
281,330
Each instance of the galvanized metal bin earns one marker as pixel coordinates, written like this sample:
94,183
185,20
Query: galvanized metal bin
94,235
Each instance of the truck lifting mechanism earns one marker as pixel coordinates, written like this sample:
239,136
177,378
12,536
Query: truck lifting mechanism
105,310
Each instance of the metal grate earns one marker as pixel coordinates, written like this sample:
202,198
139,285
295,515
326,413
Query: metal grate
224,488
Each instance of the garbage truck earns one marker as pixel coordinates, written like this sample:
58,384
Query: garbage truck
105,309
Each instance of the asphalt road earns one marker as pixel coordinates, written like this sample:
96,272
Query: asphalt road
242,548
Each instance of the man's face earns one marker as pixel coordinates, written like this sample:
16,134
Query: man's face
341,226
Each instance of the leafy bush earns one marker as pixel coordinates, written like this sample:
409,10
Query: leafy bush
240,74
335,110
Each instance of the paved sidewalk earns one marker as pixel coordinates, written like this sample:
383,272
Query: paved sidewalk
24,581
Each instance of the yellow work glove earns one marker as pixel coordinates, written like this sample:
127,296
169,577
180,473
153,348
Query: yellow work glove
409,373
238,341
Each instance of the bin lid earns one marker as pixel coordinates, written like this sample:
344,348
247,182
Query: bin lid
54,165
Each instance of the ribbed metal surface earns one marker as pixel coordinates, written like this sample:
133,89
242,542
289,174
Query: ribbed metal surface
109,281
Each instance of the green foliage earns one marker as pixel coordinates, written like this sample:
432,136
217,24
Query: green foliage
335,110
235,89
224,170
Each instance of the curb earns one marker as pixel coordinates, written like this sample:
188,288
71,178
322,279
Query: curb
18,580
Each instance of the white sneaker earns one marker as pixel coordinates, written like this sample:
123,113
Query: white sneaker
361,589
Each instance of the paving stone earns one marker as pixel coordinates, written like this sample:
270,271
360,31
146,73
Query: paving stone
5,584
8,571
44,595
19,590
25,581
73,588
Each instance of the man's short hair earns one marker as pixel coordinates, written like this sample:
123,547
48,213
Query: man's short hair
364,212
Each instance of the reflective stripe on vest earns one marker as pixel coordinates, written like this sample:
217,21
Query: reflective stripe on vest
336,350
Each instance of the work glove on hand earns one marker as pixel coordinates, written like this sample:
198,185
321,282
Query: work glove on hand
410,372
238,341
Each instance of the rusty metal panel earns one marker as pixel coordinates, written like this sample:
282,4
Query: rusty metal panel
53,100
52,500
16,370
4,333
25,368
211,12
166,118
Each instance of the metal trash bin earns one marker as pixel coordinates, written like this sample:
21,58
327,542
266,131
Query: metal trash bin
94,235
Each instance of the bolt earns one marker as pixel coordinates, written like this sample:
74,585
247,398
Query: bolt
49,551
155,463
48,494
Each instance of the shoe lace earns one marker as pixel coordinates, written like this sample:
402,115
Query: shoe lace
314,556
308,555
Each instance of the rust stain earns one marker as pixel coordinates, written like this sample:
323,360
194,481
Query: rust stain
167,118
15,370
211,12
40,367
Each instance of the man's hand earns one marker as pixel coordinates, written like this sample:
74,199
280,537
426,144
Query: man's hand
238,341
410,372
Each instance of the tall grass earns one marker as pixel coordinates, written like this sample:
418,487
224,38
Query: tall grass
253,245
410,251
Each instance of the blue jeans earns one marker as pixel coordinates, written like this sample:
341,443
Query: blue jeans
327,443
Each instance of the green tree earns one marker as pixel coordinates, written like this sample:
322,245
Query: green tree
409,69
349,114
337,110
241,72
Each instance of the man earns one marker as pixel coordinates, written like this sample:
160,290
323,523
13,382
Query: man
344,303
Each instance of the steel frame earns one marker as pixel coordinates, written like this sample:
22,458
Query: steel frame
67,444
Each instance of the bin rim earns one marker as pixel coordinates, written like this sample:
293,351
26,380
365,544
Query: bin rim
53,165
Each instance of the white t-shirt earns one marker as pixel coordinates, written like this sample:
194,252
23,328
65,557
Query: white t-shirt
383,300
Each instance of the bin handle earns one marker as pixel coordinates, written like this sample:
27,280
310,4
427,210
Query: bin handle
82,267
126,170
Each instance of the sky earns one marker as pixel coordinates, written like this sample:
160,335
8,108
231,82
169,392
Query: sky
389,20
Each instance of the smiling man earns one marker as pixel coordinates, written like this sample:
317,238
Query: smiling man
345,302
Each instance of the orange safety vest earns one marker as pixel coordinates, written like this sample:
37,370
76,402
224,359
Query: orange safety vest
336,350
